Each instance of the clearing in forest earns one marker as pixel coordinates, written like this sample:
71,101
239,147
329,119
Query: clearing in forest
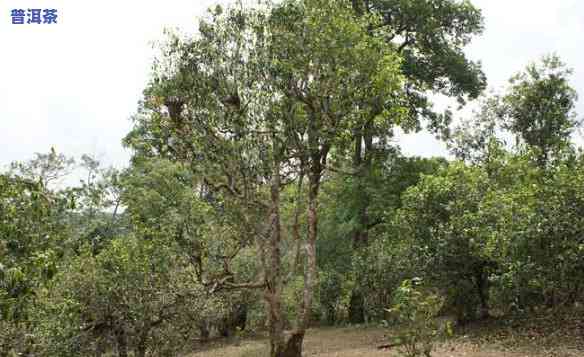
533,338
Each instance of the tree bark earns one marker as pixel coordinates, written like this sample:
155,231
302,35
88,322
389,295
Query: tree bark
318,153
356,307
310,271
271,258
281,345
362,162
100,347
296,223
122,343
140,350
204,331
293,345
483,292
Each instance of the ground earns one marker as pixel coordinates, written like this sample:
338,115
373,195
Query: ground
534,337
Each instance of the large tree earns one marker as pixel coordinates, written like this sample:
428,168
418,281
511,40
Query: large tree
259,99
430,35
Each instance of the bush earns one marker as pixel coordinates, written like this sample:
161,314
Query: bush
129,296
415,309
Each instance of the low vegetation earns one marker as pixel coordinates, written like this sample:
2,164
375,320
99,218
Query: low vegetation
540,335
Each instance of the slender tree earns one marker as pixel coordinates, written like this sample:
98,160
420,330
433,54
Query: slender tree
539,107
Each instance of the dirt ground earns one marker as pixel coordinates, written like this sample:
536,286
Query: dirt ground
356,341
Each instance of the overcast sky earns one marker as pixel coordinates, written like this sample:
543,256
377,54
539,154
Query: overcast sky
75,84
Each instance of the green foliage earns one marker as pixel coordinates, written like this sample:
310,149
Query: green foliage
96,203
372,269
162,200
489,241
46,169
539,107
476,139
538,244
133,290
443,216
31,228
416,308
297,92
431,36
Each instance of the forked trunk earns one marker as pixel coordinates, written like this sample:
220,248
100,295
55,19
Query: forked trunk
362,165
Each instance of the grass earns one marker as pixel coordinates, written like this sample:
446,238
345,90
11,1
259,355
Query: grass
549,335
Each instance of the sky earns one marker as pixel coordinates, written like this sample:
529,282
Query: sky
74,85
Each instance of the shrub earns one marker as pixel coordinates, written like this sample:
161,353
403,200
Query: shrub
415,309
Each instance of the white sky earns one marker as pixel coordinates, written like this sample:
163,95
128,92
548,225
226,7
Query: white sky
74,85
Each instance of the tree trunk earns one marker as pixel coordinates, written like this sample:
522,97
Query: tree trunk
356,307
240,317
204,331
141,349
310,272
122,343
236,319
293,345
100,347
296,223
483,292
280,345
362,166
331,314
271,259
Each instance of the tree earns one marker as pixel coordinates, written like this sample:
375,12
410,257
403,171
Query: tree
214,110
45,168
97,216
444,219
474,138
259,99
539,107
31,236
163,202
348,78
430,35
536,228
135,295
370,274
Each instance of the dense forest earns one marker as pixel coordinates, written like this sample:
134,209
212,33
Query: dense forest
267,194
